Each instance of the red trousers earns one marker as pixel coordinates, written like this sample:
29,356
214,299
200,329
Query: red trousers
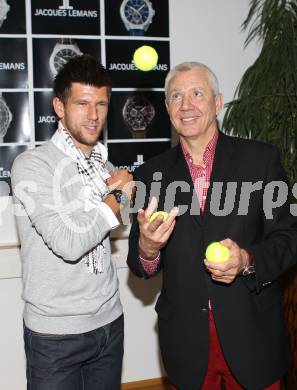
218,369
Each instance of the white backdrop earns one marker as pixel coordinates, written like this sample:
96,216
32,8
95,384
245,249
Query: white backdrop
208,31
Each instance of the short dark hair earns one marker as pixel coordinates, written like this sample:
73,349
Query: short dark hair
84,69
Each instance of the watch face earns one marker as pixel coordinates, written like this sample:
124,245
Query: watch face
63,56
136,11
138,113
4,8
5,118
120,196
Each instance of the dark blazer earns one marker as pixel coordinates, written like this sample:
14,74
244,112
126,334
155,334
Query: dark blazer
248,312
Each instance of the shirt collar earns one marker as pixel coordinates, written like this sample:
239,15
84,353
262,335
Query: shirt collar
209,151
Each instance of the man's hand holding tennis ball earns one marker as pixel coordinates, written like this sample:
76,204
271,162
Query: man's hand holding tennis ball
155,229
225,263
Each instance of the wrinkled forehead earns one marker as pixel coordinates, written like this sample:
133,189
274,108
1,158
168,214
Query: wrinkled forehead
189,79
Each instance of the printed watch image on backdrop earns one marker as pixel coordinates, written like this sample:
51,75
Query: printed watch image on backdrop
5,118
138,115
63,51
69,17
137,18
14,128
50,54
12,17
14,117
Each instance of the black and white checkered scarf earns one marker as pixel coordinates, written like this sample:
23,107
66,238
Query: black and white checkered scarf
94,175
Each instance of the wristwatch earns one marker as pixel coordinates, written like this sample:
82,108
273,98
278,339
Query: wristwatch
4,8
137,15
249,268
61,54
5,117
138,113
120,196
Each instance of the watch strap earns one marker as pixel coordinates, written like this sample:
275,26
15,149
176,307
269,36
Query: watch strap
138,134
120,196
136,32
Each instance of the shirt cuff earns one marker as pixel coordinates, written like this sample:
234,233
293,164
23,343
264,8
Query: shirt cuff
150,266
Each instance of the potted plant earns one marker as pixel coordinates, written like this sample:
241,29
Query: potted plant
265,108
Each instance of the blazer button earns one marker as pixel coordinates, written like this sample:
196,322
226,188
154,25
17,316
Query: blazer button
204,309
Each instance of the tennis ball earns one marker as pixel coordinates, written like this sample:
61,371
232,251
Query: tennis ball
217,253
154,215
145,58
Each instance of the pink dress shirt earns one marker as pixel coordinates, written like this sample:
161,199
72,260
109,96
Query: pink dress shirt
201,179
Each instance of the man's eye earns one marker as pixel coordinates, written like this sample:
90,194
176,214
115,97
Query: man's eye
197,93
176,97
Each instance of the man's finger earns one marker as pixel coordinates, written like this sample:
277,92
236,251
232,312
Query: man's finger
223,267
221,280
230,244
153,226
171,217
141,218
151,207
174,212
168,233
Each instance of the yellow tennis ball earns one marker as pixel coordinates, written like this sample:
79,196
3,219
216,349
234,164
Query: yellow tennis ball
145,58
164,214
217,253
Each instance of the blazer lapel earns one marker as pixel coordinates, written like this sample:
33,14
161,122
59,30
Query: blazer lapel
224,167
180,174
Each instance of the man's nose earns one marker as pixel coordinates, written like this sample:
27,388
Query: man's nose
186,102
92,112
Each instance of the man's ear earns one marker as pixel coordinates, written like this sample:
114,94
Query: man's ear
59,107
166,104
219,103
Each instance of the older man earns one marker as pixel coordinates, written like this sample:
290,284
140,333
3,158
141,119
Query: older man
216,320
